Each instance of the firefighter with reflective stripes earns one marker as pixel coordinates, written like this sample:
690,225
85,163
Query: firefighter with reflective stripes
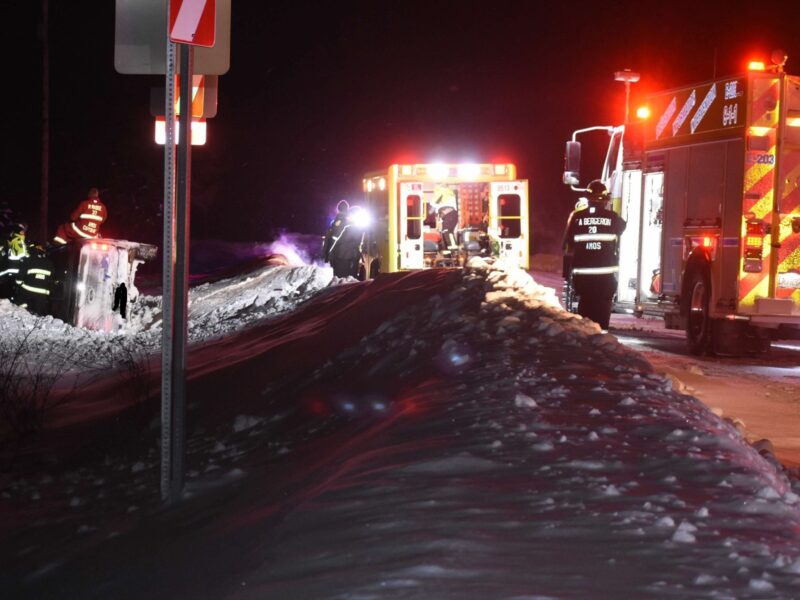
33,291
13,254
85,220
592,238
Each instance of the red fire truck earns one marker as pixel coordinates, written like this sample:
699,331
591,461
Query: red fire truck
710,187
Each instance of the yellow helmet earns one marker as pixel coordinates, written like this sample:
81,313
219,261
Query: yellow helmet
16,243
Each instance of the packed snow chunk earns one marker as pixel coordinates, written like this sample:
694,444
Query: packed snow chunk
589,465
704,579
461,463
523,401
665,522
543,447
137,467
794,568
611,490
684,534
244,422
627,401
768,493
761,585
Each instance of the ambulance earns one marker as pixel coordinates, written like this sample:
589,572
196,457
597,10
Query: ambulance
435,215
709,184
93,282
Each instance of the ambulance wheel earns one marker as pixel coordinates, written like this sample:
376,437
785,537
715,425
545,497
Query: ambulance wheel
698,318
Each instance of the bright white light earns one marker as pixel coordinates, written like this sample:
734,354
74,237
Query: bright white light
381,184
360,218
80,287
439,170
469,171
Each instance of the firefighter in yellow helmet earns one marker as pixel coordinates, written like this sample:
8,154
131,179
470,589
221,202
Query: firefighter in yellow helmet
13,254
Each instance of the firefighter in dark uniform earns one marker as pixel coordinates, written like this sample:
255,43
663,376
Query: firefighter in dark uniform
337,227
592,238
33,291
342,245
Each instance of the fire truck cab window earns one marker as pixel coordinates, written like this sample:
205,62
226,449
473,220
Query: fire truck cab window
509,215
413,217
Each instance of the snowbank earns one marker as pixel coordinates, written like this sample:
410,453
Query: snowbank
479,443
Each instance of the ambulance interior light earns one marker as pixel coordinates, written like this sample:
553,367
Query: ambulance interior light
469,171
439,170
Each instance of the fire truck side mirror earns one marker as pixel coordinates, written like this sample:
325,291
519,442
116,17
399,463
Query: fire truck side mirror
572,163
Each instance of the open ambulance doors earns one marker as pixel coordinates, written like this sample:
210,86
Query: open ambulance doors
508,220
412,214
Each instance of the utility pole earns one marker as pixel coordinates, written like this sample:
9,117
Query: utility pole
45,173
627,77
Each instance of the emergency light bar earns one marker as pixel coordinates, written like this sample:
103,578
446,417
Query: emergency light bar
456,170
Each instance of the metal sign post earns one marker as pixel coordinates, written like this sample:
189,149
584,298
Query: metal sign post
168,262
181,289
177,195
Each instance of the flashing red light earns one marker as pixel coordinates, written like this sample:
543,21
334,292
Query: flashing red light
643,112
706,242
756,65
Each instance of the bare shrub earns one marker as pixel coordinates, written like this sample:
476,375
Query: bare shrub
29,388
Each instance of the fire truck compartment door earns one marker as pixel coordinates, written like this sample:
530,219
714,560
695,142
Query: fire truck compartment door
411,208
508,220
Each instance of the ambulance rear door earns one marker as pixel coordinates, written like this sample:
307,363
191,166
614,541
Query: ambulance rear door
410,240
508,220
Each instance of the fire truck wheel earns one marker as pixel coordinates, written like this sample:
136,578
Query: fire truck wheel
698,319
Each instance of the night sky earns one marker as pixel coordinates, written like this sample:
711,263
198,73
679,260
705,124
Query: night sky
319,93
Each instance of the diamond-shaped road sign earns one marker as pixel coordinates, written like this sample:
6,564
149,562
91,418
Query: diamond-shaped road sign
192,22
140,43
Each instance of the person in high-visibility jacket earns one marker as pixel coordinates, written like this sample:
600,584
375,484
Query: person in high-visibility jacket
33,291
13,253
85,221
592,237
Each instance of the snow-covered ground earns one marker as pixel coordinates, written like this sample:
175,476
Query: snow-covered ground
428,435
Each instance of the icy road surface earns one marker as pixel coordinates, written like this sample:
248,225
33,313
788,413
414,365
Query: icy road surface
427,435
